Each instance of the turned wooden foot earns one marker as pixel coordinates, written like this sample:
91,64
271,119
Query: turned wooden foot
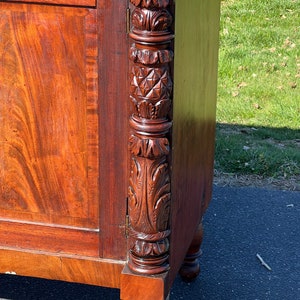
190,268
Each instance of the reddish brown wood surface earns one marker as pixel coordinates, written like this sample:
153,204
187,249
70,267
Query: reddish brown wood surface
86,3
194,104
113,126
140,287
49,117
49,237
74,268
56,82
190,268
65,158
63,143
150,96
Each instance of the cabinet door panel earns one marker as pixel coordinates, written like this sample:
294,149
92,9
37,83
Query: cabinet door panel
90,3
49,117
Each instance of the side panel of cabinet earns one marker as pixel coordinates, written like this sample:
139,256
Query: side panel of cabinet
195,83
49,137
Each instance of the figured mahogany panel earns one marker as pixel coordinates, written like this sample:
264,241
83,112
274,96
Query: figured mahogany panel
49,116
72,268
90,3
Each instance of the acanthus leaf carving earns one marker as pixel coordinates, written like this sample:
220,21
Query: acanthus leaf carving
162,211
143,248
149,147
150,57
151,3
147,110
156,20
149,191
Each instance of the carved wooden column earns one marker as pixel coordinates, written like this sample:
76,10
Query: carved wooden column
150,96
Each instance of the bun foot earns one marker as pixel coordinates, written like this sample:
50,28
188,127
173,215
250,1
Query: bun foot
191,267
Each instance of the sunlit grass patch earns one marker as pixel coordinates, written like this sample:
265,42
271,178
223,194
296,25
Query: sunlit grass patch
259,71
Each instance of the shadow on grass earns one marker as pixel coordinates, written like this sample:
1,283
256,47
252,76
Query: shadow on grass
269,152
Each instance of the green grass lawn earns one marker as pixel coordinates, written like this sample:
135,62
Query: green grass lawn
258,111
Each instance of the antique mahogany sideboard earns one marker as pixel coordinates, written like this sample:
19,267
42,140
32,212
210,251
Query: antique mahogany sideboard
107,113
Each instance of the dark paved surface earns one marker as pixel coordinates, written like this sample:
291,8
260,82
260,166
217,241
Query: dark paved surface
240,223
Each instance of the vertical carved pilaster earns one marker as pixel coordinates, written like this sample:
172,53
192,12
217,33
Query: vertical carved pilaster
150,96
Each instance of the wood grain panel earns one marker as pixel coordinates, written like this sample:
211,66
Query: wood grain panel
80,269
113,94
49,139
49,238
90,3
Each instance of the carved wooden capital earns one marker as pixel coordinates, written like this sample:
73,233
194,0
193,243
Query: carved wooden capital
150,97
151,20
151,3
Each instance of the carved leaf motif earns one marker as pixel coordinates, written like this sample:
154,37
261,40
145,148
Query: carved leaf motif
142,248
141,18
162,212
136,2
161,20
151,3
147,110
149,194
146,249
154,111
162,108
157,20
165,56
135,183
150,95
150,147
150,57
161,197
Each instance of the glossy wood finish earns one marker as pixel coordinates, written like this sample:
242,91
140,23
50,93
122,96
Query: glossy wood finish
113,126
88,110
80,3
49,135
194,104
149,199
143,287
75,268
51,138
190,268
47,237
